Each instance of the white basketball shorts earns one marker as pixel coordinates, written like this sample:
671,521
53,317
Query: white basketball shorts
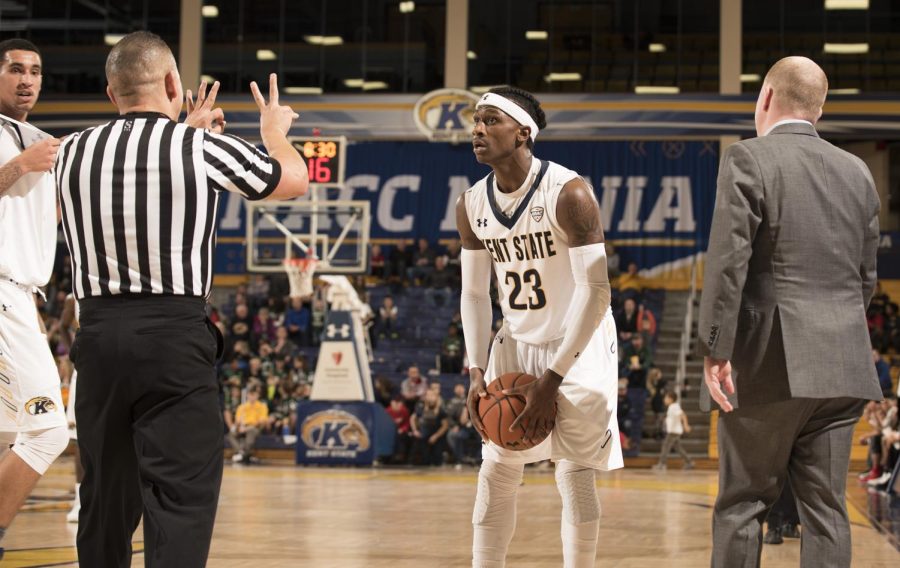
30,396
587,430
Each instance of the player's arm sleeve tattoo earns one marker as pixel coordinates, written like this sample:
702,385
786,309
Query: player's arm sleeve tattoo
475,302
10,173
579,215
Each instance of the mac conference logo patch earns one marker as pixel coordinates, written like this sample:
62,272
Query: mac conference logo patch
537,213
40,405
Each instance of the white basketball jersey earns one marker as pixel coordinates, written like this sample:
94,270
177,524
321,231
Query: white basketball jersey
27,221
529,249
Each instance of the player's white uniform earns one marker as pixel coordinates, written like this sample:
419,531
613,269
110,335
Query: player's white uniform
30,397
531,261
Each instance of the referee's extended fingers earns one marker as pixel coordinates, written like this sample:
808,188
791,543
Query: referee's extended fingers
189,100
210,98
201,93
257,96
273,89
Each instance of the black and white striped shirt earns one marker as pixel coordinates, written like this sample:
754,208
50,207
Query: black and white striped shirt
139,197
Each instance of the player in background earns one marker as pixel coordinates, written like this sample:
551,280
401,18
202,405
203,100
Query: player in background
538,225
32,418
68,324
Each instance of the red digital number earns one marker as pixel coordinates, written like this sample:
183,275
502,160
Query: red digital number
319,170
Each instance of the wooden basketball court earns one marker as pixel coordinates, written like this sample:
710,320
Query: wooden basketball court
282,515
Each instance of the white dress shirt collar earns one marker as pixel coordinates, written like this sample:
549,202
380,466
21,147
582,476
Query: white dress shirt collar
787,121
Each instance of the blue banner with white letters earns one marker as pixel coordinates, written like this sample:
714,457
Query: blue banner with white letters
656,197
343,433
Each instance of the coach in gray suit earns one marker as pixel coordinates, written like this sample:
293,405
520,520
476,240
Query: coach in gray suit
789,273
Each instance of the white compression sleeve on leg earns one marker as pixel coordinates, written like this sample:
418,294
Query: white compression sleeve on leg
580,514
39,448
588,306
494,518
475,304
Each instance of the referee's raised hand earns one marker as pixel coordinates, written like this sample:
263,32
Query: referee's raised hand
274,119
202,114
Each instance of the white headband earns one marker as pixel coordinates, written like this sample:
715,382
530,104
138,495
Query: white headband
517,113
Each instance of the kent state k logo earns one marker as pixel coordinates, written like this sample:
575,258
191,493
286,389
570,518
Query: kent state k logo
40,405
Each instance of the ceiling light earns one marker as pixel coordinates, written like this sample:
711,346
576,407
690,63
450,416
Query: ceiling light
265,55
847,48
562,77
374,85
656,90
210,11
750,77
353,83
846,4
657,48
471,55
853,91
407,7
112,39
323,40
481,89
536,34
208,79
303,90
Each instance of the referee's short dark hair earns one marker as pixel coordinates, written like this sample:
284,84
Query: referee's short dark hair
139,59
17,44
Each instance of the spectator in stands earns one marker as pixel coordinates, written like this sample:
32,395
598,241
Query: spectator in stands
676,426
239,297
623,410
283,346
646,324
233,398
258,291
875,320
461,432
890,443
891,328
452,351
657,385
377,263
241,328
637,359
298,371
428,425
251,417
399,413
613,262
296,319
627,322
880,299
884,373
422,262
399,261
255,368
413,387
440,283
384,390
454,250
264,328
630,283
387,318
317,319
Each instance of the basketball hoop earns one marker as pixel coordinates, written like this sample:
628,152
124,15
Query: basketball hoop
300,275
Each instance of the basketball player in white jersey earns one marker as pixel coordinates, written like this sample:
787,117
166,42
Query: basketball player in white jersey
32,417
68,323
538,225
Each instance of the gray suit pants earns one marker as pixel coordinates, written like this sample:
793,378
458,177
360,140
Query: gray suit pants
808,440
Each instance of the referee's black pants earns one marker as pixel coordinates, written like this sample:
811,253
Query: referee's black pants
149,430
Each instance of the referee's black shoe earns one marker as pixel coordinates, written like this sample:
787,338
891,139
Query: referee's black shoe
773,536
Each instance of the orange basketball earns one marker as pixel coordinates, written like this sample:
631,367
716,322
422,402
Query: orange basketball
498,411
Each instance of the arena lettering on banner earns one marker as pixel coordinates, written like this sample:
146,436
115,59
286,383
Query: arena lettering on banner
656,197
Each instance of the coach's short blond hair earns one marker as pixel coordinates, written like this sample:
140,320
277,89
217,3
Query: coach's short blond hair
799,85
137,63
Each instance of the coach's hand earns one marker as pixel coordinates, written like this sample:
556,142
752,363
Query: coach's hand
202,114
477,391
39,157
539,415
716,374
274,119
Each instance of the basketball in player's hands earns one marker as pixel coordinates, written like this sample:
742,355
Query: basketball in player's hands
498,411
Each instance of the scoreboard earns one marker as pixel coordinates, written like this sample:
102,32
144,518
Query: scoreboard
325,158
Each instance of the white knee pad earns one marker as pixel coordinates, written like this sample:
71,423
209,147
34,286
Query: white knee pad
39,448
494,517
578,489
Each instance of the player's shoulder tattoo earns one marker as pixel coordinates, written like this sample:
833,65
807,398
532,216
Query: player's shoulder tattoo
580,215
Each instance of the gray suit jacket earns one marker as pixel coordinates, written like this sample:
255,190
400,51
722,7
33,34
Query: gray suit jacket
790,270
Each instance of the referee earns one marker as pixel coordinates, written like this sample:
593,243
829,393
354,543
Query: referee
139,198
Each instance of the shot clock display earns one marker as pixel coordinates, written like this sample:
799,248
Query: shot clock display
324,158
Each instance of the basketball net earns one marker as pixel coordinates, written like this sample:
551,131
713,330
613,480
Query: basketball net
300,273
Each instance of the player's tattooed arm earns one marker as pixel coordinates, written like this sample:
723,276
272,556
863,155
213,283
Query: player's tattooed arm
579,214
466,235
9,175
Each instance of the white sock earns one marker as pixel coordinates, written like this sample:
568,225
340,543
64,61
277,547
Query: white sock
494,518
580,515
